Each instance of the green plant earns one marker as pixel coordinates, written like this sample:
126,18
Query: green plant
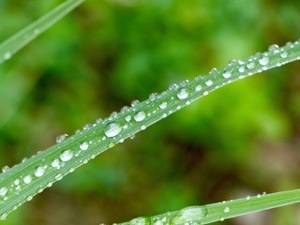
22,182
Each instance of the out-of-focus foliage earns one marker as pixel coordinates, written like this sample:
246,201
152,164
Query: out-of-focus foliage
240,140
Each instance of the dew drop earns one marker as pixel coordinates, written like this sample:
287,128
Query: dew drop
241,69
163,105
189,214
5,169
273,48
84,146
39,171
112,129
128,118
226,74
283,54
153,96
3,191
61,138
209,83
27,179
58,177
3,216
134,103
198,87
182,93
173,87
251,65
66,155
226,209
248,197
139,116
16,182
55,163
263,61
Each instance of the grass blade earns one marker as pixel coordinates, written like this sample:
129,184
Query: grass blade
24,36
23,181
220,211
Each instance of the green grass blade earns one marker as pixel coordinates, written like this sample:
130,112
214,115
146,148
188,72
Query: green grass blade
20,183
220,211
24,36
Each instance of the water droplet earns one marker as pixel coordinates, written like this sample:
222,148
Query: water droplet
27,179
55,163
259,195
205,93
3,191
7,56
99,120
209,83
3,216
273,48
189,214
226,74
173,87
39,171
112,129
16,182
212,71
226,209
198,87
84,146
263,61
66,155
86,126
61,138
153,96
251,65
5,169
128,118
232,62
241,69
283,54
58,177
134,103
182,93
248,197
139,116
163,105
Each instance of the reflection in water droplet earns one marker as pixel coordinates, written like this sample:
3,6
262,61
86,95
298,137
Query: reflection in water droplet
139,116
182,93
84,146
66,155
112,129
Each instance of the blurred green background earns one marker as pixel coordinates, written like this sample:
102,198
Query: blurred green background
243,139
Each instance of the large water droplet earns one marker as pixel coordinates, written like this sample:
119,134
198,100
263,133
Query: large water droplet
182,93
3,191
39,171
264,61
66,155
112,129
139,116
189,214
84,146
27,179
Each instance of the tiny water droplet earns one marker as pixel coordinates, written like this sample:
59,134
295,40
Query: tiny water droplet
39,171
283,54
99,120
248,197
5,169
55,163
212,71
61,138
209,83
163,105
134,103
264,61
182,93
241,69
189,214
128,118
84,146
58,177
27,179
259,195
273,48
3,216
226,74
16,182
173,87
251,65
86,126
139,116
3,191
112,129
66,155
226,209
198,87
153,96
